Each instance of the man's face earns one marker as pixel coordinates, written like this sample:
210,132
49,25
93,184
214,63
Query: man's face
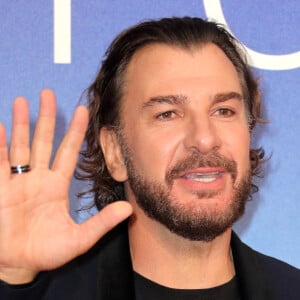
186,139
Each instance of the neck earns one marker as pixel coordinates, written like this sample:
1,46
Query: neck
176,262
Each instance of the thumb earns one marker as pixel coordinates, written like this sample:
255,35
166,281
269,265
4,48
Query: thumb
97,226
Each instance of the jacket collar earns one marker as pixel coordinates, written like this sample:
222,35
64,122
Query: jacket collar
252,279
115,273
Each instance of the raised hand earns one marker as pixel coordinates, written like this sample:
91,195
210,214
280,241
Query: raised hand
36,230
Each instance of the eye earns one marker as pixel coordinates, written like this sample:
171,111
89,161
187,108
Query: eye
166,115
225,112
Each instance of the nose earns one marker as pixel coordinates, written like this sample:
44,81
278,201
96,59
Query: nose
202,135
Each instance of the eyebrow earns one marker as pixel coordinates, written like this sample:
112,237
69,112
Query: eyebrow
182,99
222,97
168,99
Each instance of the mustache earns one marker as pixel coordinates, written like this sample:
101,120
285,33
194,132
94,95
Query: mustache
197,160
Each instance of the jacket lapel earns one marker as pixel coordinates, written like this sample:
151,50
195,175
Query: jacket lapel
115,274
253,281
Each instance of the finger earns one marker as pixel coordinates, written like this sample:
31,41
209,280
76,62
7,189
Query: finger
97,226
19,148
44,132
4,163
67,154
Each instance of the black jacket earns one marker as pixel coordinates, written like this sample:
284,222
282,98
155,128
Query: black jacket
105,273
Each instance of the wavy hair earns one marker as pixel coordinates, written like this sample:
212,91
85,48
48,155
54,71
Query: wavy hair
104,95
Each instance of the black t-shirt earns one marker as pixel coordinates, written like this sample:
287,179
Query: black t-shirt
146,289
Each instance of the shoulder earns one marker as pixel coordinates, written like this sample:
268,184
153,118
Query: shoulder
273,265
281,272
282,278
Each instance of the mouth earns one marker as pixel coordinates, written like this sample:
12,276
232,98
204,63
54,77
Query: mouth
204,177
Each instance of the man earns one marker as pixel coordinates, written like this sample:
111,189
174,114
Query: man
170,117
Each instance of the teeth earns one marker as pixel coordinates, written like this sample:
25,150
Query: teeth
204,179
200,177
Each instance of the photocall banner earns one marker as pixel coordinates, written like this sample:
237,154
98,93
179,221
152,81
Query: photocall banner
60,44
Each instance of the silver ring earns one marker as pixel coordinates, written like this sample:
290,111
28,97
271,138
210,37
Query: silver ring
19,169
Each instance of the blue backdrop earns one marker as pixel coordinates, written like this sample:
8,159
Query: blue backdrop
62,49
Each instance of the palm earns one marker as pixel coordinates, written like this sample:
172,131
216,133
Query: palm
36,230
38,220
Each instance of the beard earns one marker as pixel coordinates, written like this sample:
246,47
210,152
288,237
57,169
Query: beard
193,222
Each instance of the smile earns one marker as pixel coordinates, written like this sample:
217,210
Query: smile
203,177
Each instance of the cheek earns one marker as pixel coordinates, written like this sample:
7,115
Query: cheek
153,151
238,142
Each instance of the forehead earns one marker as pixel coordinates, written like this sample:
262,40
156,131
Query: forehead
159,69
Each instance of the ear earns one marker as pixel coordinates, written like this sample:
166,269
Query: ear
112,154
